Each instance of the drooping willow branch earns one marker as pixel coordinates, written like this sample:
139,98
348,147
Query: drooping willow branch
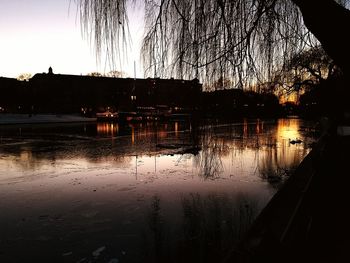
241,40
246,41
106,23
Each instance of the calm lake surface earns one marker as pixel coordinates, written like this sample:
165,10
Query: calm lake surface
156,192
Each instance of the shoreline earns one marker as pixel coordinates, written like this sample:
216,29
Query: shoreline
9,119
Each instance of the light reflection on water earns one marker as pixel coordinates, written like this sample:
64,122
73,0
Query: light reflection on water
141,183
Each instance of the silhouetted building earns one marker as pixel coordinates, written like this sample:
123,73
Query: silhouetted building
57,93
71,93
13,95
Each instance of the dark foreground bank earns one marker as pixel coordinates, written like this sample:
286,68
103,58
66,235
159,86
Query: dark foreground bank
308,219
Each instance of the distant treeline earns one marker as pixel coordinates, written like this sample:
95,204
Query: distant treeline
237,103
328,98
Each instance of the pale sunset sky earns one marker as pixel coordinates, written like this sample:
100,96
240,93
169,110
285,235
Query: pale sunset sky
37,34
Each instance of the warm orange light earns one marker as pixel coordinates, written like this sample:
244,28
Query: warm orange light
257,128
132,135
176,128
288,129
245,128
107,129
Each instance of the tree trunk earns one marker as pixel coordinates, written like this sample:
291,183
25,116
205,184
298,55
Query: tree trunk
329,22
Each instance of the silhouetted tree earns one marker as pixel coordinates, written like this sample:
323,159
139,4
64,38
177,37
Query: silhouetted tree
303,72
95,74
246,41
243,39
220,84
111,74
24,77
116,74
326,19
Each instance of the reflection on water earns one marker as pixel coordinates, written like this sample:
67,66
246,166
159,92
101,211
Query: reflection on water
150,191
209,227
108,129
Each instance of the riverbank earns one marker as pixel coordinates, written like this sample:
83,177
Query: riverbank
307,219
6,119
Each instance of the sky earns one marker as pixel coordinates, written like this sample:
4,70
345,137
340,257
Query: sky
37,34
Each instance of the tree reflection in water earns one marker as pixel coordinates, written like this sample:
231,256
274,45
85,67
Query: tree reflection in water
210,227
209,159
265,144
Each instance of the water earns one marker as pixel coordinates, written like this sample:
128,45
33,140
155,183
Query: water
140,192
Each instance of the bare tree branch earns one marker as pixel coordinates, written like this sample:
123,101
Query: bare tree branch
245,41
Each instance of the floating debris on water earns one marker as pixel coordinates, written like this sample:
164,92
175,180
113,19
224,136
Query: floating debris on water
98,251
67,254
